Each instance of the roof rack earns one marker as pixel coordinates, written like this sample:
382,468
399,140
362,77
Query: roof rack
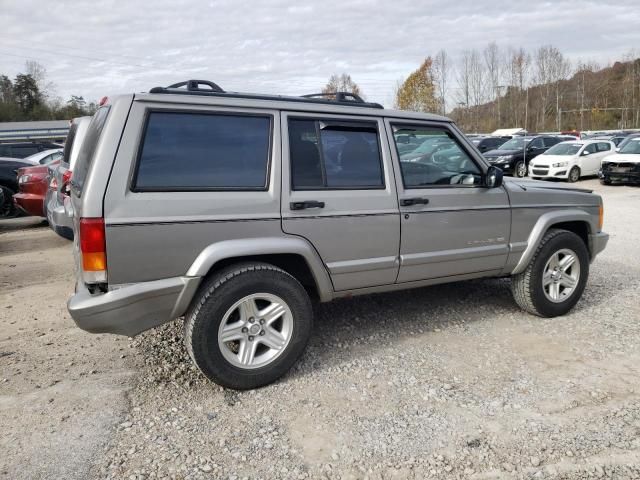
194,87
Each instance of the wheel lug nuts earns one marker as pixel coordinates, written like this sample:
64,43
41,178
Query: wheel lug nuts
251,320
245,329
251,338
262,321
261,332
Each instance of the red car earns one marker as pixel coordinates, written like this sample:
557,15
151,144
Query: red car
33,183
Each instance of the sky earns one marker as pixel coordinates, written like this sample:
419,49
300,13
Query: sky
98,48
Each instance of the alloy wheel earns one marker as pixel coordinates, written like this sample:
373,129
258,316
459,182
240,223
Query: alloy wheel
561,275
255,330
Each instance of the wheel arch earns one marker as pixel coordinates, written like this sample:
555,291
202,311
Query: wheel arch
577,221
292,254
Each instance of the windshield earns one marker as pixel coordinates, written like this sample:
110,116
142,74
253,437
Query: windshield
633,146
564,149
514,144
429,144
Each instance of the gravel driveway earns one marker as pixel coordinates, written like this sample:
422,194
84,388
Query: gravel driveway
450,381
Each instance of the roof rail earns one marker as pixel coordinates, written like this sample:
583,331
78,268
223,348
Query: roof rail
193,87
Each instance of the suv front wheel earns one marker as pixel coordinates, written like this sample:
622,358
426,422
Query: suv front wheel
248,325
555,278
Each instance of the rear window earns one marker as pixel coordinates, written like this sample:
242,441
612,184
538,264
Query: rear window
204,151
87,150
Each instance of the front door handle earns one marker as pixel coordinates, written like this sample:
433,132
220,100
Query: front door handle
407,202
306,204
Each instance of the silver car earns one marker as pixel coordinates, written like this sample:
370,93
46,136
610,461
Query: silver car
237,211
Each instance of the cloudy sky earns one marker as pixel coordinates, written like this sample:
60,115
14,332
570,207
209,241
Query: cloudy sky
95,48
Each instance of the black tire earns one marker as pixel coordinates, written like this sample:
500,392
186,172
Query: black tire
520,169
605,181
574,174
527,286
218,294
8,209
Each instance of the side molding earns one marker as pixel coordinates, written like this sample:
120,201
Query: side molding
265,246
543,224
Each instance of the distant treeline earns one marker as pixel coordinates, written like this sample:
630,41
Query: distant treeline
29,97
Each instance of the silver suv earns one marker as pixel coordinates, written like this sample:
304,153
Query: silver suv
237,210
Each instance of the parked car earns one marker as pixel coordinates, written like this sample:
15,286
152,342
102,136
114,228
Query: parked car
45,157
25,149
9,185
255,223
623,167
32,187
513,156
626,140
58,179
484,144
571,160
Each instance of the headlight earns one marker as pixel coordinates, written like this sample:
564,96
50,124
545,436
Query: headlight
560,164
503,158
24,179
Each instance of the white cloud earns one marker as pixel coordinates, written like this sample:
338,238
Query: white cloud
105,47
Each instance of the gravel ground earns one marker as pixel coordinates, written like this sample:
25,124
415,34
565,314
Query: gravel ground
449,382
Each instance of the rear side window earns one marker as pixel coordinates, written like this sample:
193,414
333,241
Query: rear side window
68,144
604,147
204,151
88,148
334,155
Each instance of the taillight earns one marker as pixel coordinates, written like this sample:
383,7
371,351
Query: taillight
93,250
66,176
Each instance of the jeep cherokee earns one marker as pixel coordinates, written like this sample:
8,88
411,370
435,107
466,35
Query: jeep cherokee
236,210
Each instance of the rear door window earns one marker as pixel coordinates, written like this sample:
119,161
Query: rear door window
88,148
604,147
334,155
204,151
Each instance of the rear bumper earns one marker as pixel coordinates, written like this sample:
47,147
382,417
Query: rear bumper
134,308
59,221
597,243
30,203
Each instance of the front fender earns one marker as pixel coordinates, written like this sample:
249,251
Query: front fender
543,224
265,246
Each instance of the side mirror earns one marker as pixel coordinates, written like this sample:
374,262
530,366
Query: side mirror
617,149
493,178
585,153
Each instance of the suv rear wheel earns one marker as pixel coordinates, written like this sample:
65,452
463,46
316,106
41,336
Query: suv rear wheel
520,169
248,325
555,278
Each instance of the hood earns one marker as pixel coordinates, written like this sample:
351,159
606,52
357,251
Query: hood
500,153
526,184
623,157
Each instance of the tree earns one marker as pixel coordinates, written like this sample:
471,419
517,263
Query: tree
441,76
6,89
342,83
38,72
26,93
492,61
417,92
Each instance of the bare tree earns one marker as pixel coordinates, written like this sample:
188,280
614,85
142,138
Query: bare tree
478,86
38,72
464,86
342,83
441,76
491,55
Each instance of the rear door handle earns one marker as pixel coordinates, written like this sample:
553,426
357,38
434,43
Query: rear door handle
306,204
407,202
